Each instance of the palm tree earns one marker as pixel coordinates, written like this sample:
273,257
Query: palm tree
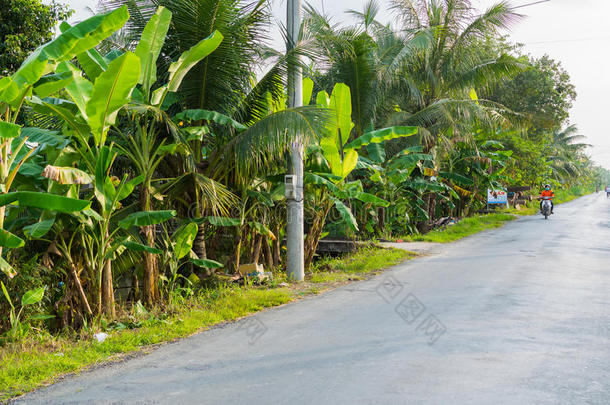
440,79
566,154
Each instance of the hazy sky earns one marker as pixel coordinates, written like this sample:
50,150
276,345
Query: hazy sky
570,31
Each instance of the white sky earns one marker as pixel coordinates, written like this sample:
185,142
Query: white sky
570,31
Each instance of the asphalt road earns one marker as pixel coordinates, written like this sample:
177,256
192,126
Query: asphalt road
518,315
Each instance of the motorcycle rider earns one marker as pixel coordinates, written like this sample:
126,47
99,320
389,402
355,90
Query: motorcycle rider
547,192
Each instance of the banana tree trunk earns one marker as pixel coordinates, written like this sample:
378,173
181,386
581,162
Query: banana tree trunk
107,290
238,244
267,253
256,250
276,248
150,288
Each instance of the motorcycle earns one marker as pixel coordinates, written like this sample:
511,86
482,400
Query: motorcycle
545,208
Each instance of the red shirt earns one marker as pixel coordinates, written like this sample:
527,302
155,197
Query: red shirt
547,193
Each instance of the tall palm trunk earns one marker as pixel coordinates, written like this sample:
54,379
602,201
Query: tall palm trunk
199,243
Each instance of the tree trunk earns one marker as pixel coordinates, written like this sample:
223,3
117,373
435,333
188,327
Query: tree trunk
107,290
432,208
267,253
276,248
381,219
199,243
237,253
150,288
135,287
256,248
79,288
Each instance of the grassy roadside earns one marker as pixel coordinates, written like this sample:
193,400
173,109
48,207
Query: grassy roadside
465,227
471,225
42,359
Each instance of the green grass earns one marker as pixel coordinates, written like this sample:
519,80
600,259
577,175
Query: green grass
471,225
463,228
366,260
35,363
42,358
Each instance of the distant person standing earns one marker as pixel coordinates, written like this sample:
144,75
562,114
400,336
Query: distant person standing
607,191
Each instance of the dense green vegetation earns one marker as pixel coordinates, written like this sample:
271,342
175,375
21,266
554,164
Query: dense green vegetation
142,158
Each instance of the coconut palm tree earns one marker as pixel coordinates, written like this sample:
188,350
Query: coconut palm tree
566,155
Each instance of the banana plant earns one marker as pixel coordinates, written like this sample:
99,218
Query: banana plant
332,160
31,79
93,109
142,145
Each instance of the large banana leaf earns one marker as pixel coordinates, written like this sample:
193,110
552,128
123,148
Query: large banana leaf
39,229
381,135
50,84
149,47
44,138
66,175
63,112
9,130
371,198
178,69
92,62
307,90
330,151
73,41
138,247
312,178
104,189
346,214
207,263
341,106
8,240
8,270
145,218
188,59
456,177
8,89
44,201
111,91
218,118
79,88
183,239
350,160
127,187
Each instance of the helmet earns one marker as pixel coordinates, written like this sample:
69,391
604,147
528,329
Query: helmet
547,186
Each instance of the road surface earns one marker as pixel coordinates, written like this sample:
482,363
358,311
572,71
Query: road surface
518,315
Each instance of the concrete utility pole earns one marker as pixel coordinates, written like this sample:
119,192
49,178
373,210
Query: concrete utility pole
295,230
